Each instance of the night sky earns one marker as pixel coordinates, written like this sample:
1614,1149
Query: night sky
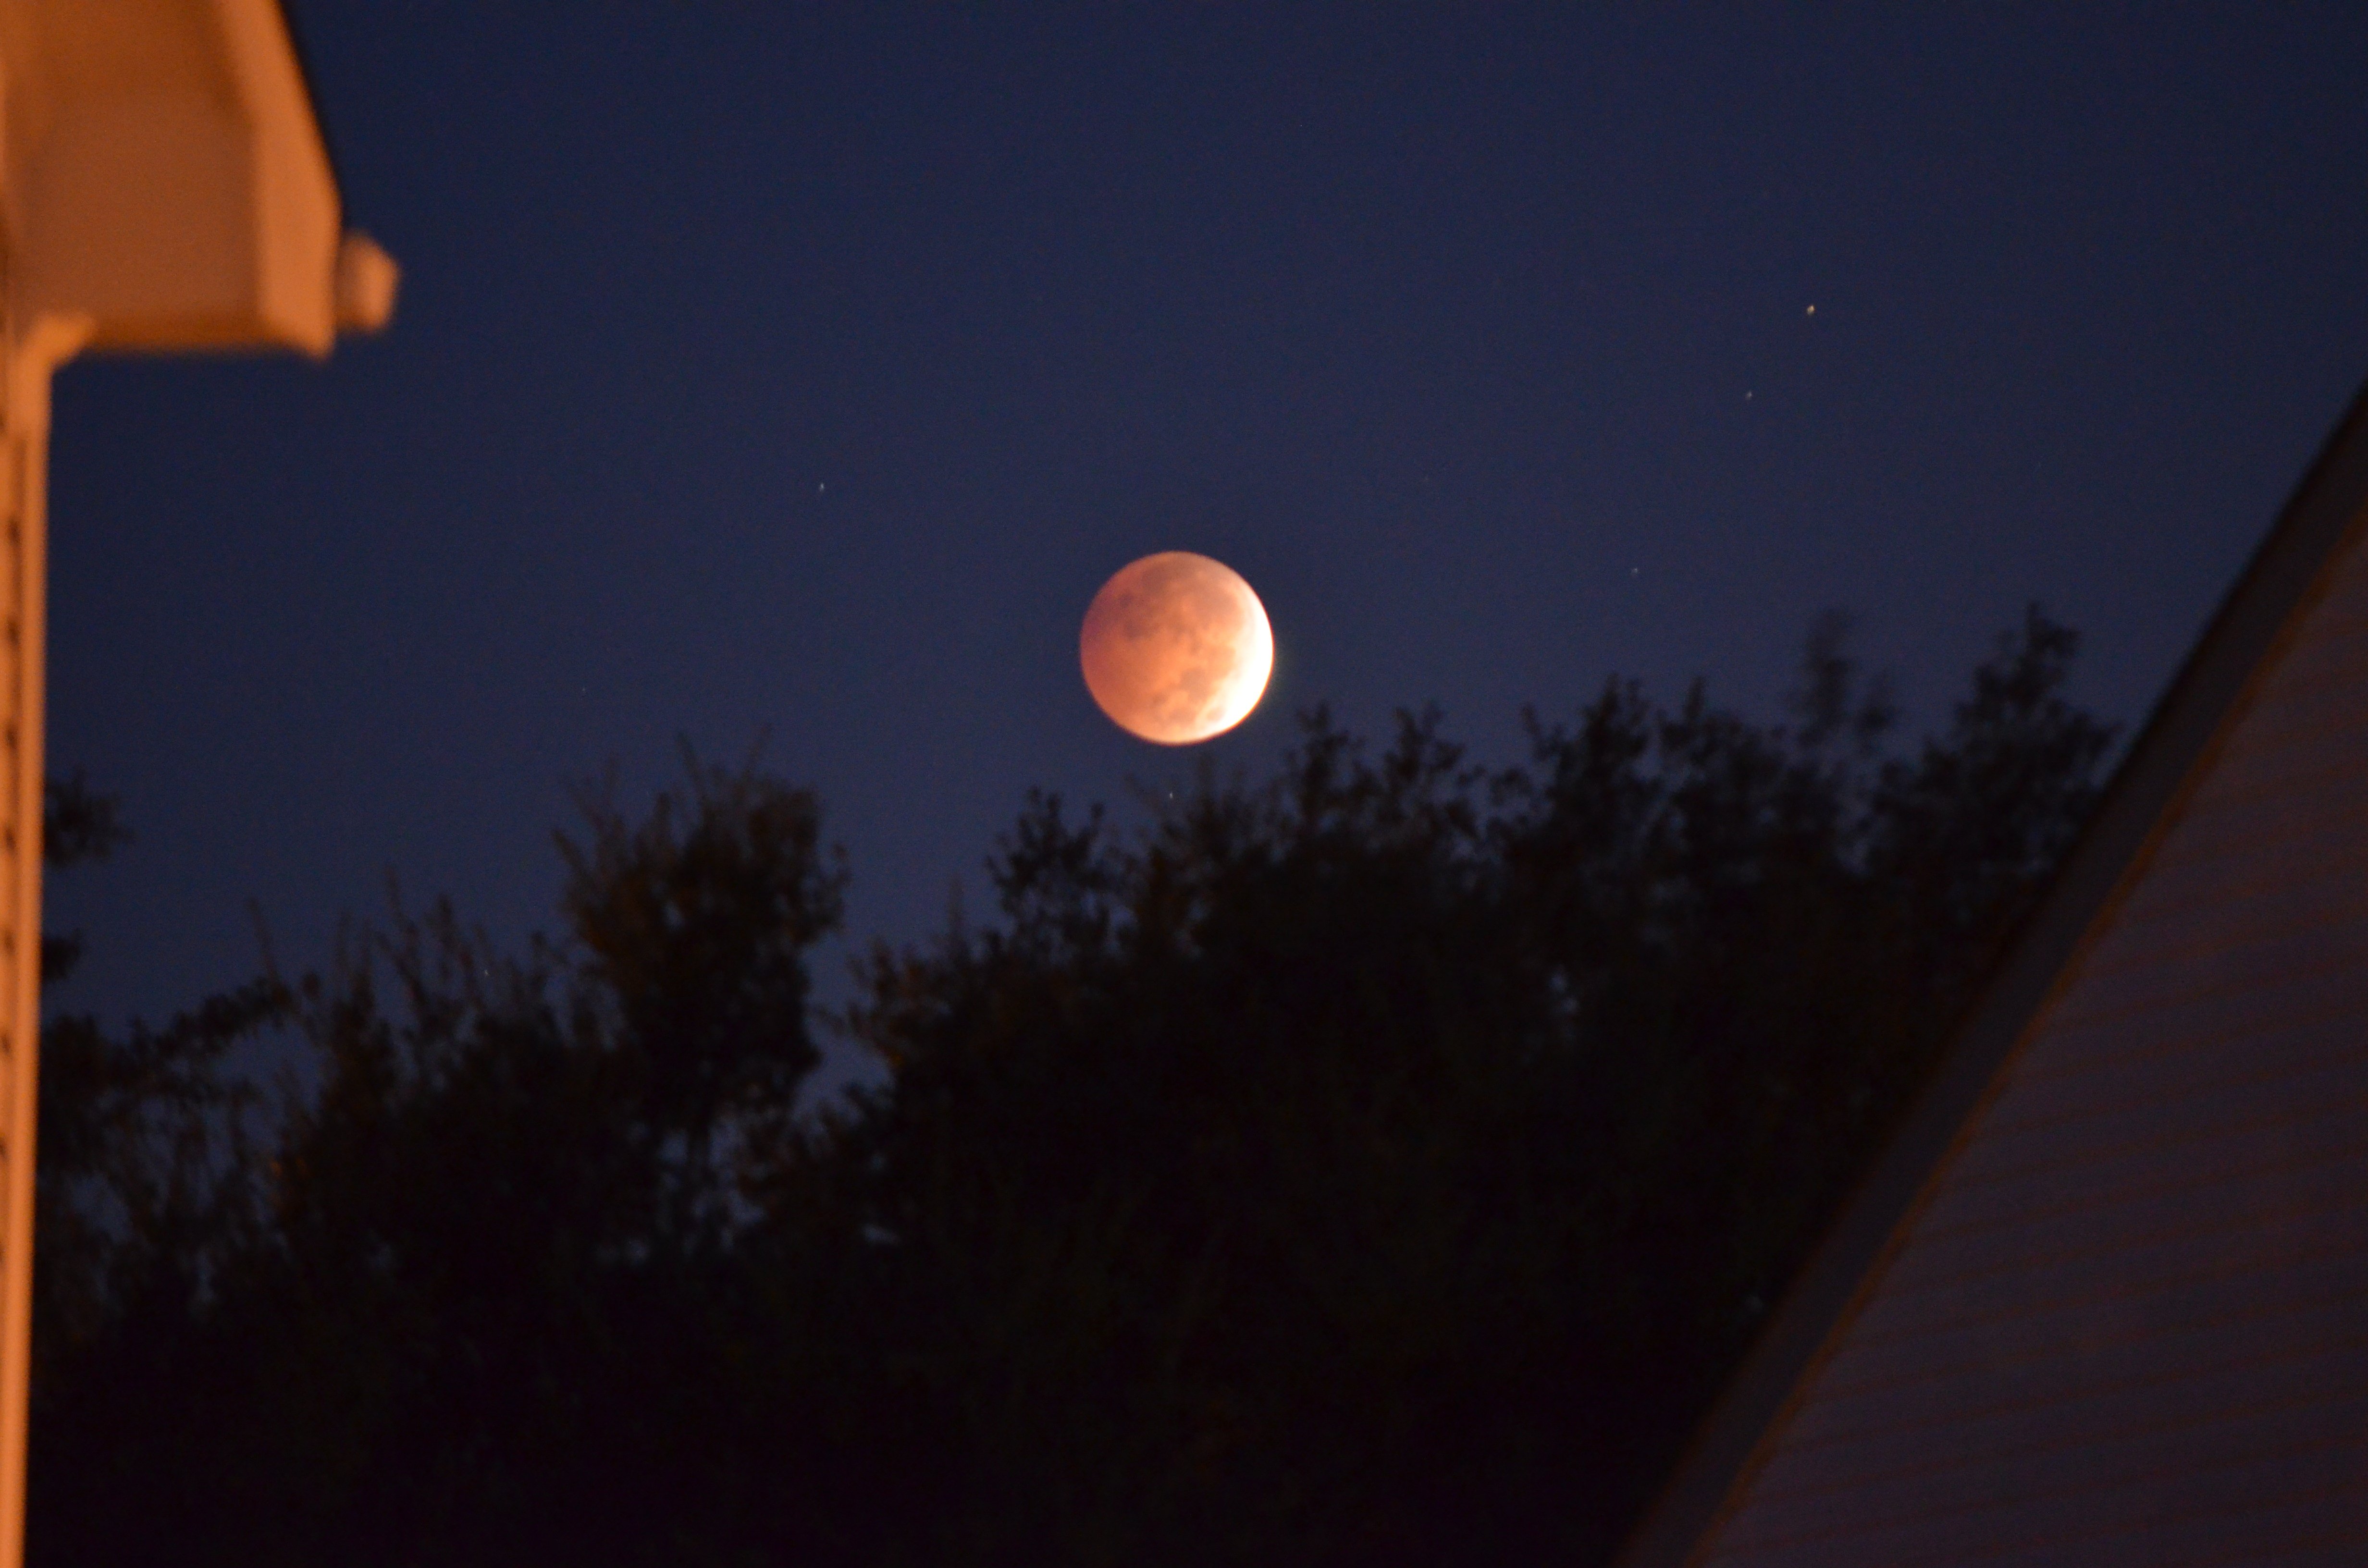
796,373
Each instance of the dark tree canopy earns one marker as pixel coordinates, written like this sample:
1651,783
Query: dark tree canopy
1382,1162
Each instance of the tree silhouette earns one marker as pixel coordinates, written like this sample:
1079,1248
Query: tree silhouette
1377,1163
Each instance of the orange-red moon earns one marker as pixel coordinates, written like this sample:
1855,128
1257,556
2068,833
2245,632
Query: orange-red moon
1176,648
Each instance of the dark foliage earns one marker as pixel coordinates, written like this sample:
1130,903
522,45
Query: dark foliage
1382,1163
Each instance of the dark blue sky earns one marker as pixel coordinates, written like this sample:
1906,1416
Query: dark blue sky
801,370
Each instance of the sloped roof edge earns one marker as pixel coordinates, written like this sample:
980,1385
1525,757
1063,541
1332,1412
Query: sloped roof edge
2270,596
289,23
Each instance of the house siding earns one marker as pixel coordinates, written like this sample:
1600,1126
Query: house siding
2128,1321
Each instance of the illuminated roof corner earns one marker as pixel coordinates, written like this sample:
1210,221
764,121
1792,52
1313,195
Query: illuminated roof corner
166,185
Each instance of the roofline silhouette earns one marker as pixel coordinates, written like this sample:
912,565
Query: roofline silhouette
2288,574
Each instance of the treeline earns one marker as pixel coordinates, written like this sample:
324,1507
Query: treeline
1384,1161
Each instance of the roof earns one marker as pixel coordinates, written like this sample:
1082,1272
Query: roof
2285,578
295,32
166,184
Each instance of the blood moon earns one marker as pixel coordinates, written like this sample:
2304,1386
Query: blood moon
1176,648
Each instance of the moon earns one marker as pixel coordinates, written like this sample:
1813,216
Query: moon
1176,648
